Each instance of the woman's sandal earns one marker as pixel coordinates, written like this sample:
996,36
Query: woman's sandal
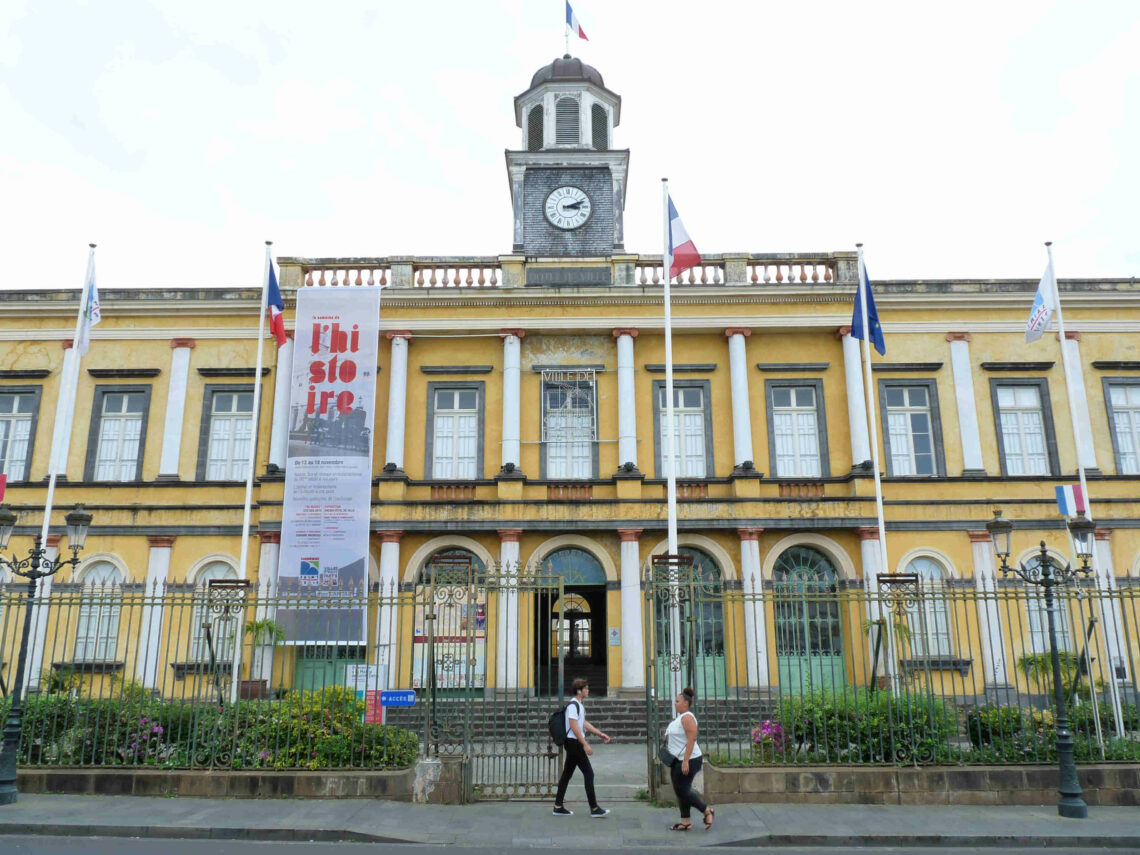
680,826
709,815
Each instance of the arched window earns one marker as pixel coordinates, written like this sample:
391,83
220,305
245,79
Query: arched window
599,121
566,122
807,610
700,614
929,618
223,627
575,566
1039,615
576,628
97,631
534,129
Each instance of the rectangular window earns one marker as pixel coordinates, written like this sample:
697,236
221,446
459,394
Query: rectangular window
17,423
796,430
569,423
692,426
230,433
1025,428
455,433
911,429
119,431
1124,416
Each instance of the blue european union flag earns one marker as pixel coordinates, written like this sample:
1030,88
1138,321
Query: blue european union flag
872,317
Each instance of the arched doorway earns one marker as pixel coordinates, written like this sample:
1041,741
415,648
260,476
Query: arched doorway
809,627
576,625
457,663
702,646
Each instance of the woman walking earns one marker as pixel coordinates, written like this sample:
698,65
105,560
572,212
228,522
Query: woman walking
681,741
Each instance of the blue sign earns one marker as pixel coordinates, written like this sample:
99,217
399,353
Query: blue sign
405,698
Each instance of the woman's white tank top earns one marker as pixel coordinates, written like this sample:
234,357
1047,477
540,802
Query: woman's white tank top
676,740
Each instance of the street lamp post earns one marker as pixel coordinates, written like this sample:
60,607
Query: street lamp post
33,568
1048,573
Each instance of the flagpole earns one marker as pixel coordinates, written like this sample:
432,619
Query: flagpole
670,433
67,393
1066,367
244,558
868,382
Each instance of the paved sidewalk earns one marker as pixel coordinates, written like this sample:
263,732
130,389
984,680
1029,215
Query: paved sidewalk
531,823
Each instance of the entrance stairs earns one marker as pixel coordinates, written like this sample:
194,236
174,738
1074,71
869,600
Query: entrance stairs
624,720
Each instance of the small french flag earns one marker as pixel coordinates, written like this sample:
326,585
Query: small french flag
682,252
276,308
1070,500
572,23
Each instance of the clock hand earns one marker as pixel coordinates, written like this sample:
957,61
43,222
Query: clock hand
575,206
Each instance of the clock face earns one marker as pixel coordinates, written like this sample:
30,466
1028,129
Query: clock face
567,207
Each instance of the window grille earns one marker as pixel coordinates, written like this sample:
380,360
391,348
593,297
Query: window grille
534,129
569,422
601,127
566,122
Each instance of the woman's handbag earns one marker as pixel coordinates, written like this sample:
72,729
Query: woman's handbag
665,755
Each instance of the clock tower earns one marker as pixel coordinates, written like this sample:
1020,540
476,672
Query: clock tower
567,182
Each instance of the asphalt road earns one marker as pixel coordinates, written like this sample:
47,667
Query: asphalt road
135,846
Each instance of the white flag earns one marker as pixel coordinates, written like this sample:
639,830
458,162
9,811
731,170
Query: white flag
1043,305
89,313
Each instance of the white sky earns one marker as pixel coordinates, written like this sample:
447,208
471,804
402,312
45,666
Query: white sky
951,138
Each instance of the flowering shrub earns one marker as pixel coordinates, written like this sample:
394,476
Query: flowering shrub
767,741
306,730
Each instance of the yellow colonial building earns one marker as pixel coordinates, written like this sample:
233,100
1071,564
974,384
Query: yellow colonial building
519,423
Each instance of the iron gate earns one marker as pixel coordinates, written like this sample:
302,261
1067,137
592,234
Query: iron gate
483,666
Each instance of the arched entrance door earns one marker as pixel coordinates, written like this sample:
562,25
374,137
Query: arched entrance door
702,616
809,630
576,626
456,663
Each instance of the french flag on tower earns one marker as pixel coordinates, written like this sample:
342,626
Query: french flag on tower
276,308
682,253
572,23
1071,499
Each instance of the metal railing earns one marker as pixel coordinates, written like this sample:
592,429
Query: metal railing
816,671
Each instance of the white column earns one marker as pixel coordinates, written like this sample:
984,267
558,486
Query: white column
989,615
150,628
627,398
856,398
64,414
388,616
175,408
972,463
279,436
632,638
261,665
1075,386
755,620
872,557
397,399
741,417
37,638
512,372
507,633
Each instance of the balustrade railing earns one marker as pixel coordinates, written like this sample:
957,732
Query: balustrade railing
791,271
444,275
334,275
649,272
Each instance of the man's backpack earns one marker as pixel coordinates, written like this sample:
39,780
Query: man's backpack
557,723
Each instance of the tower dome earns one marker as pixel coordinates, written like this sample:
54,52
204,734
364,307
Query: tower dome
567,106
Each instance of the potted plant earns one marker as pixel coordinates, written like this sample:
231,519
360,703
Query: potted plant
263,632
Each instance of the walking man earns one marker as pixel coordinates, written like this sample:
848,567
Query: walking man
578,751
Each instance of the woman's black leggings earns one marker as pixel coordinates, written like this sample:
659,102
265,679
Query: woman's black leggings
683,786
576,759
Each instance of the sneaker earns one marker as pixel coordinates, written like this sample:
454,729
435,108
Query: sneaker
559,810
599,812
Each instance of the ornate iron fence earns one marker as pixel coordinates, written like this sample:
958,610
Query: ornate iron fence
809,669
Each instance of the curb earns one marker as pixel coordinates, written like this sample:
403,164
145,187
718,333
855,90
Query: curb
179,832
936,840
